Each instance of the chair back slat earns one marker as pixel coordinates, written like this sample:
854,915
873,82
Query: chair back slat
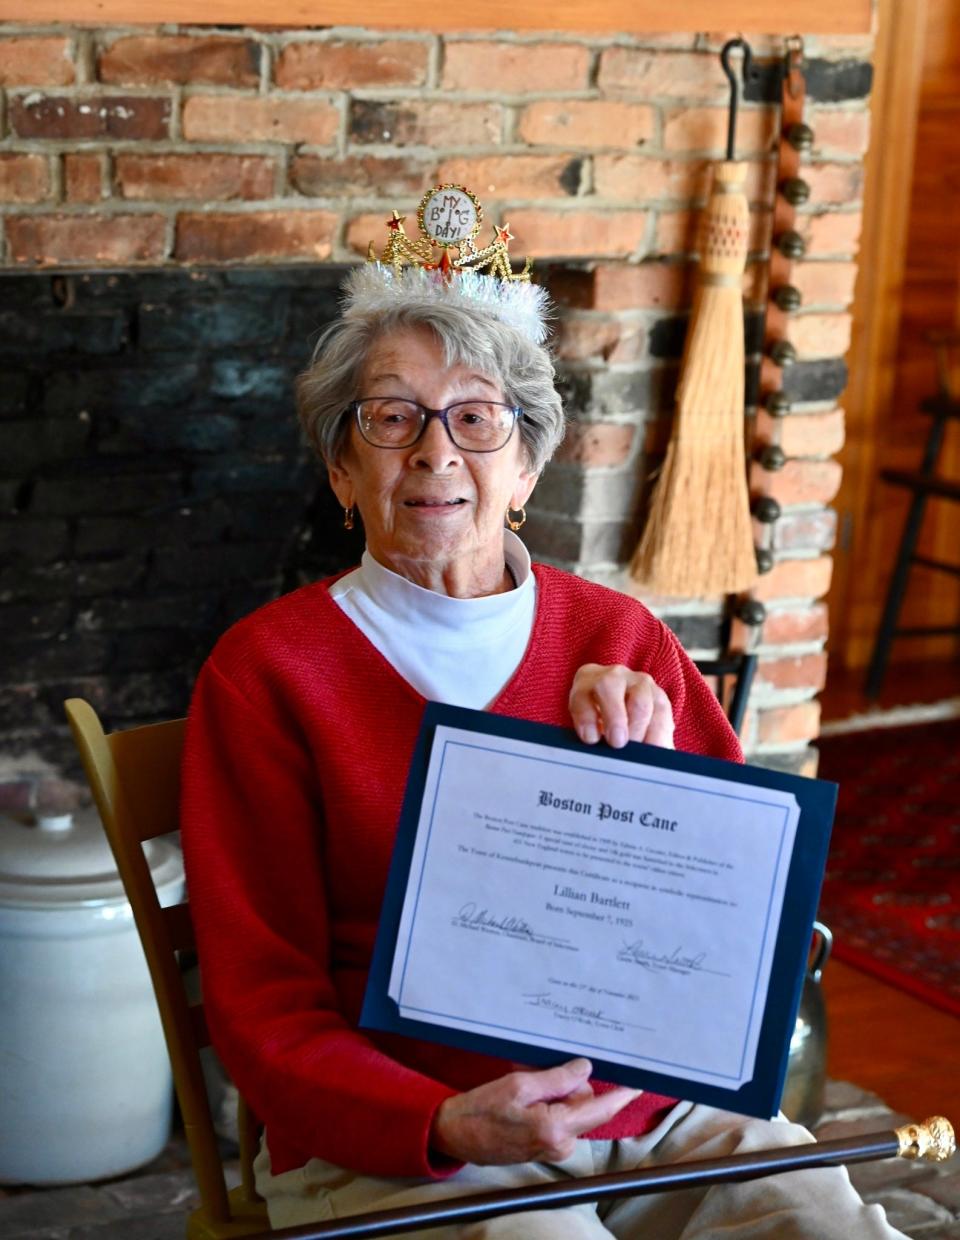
134,777
742,668
147,761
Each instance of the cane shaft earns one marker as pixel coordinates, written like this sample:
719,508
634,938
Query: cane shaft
699,1174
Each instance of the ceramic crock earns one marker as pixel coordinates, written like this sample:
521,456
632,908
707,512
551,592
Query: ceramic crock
85,1083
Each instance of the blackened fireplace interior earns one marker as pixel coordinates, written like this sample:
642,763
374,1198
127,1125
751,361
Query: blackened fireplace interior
153,488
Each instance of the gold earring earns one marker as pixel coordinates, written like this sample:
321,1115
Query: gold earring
512,522
348,518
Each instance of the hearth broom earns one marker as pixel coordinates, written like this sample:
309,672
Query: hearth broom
698,539
932,1140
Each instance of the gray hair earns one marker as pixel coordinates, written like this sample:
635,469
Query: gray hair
471,336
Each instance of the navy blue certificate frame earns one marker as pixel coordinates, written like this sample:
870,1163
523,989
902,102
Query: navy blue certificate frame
760,1095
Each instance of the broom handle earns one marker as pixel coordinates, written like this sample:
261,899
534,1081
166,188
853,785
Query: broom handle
933,1140
747,69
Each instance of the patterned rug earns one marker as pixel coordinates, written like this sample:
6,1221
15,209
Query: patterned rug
892,889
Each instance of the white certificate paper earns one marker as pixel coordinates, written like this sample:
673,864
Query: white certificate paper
574,900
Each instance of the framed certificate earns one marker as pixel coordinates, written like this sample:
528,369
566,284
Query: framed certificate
648,909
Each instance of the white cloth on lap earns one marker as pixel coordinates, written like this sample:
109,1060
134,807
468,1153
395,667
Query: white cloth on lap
818,1204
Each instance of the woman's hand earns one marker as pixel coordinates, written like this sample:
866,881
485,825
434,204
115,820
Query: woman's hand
525,1116
621,705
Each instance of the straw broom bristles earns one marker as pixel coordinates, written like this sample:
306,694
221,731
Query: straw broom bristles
698,539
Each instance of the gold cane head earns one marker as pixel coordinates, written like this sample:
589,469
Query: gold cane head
932,1140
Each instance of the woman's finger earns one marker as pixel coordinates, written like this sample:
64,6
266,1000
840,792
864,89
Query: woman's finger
660,729
582,1114
551,1084
583,709
610,696
641,697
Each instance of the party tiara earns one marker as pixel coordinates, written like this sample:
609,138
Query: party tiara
444,264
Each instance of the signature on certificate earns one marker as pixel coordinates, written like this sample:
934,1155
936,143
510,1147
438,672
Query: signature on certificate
480,918
675,961
583,1013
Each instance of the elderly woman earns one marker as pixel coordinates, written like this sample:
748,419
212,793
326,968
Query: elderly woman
434,417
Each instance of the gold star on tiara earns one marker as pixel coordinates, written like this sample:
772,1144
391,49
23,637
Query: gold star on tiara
449,218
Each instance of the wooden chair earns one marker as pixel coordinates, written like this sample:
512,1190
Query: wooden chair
135,779
924,484
732,675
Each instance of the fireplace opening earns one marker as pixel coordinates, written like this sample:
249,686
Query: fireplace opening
153,488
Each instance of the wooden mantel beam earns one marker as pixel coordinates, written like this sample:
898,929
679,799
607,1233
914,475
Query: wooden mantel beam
627,16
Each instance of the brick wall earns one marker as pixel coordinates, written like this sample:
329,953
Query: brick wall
203,147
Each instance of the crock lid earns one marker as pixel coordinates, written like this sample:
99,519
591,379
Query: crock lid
65,859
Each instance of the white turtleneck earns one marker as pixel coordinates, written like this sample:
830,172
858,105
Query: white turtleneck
461,651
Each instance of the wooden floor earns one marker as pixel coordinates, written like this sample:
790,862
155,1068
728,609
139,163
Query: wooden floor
906,684
885,1040
880,1037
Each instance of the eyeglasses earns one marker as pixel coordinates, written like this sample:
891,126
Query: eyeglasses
473,425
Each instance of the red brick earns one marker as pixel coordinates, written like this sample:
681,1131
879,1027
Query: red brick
705,129
362,229
636,178
221,118
596,445
801,434
370,175
420,122
36,62
513,68
798,482
837,232
837,132
804,531
808,624
208,177
834,184
812,434
677,231
516,176
650,285
800,722
577,234
540,234
82,240
340,65
221,237
825,283
23,178
803,671
586,122
796,579
147,60
686,75
631,344
590,336
96,116
820,335
82,177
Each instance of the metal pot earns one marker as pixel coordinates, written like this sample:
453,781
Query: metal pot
87,1089
807,1063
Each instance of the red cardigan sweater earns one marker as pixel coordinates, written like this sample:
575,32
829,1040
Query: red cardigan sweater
298,744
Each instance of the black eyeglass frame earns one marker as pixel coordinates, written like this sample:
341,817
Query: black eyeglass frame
427,413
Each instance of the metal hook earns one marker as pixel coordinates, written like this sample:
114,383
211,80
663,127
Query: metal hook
746,72
793,64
